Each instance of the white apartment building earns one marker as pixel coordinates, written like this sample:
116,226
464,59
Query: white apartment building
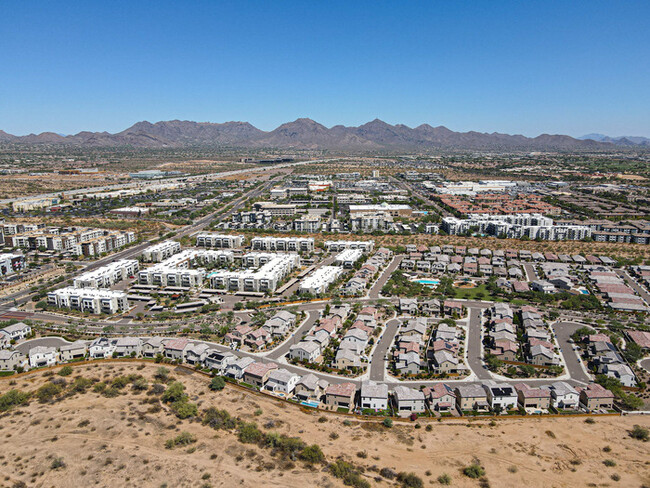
107,275
11,263
274,268
291,244
333,246
348,257
516,226
161,251
175,270
209,239
318,282
307,223
89,300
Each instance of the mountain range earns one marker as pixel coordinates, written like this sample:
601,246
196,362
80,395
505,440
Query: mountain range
620,140
306,134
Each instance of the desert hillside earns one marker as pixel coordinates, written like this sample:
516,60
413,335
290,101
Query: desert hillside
117,424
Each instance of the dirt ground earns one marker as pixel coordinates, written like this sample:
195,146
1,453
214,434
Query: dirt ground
121,442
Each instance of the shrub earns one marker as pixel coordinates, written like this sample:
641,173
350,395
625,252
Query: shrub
57,463
81,384
218,419
607,449
12,398
175,392
322,419
616,477
410,480
639,433
347,472
387,473
162,374
217,383
387,422
249,433
312,454
610,463
182,439
444,479
65,371
47,392
334,435
183,409
474,471
140,384
590,421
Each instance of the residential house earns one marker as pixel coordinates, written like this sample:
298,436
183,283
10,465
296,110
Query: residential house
72,351
563,395
305,351
408,305
257,374
195,353
444,362
281,380
16,332
622,372
101,348
175,349
340,395
440,396
453,307
41,356
408,400
236,368
471,397
218,361
310,388
595,397
501,396
374,395
537,398
152,347
10,360
127,346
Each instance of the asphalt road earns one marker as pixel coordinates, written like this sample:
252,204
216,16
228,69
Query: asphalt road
563,331
377,361
474,345
642,292
383,278
283,349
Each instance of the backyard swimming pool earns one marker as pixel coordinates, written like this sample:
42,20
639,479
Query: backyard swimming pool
312,404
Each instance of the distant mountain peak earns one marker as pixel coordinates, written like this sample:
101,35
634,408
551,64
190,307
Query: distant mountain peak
306,133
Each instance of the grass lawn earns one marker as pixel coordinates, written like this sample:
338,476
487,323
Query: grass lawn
478,293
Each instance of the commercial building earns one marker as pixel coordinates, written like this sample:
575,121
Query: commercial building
90,300
387,208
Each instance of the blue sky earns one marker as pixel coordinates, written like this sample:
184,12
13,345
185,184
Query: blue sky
508,66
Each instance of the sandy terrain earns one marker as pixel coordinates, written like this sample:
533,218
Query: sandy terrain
120,442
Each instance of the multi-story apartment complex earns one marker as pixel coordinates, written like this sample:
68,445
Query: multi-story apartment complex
107,275
318,282
274,268
333,246
161,251
209,239
516,226
11,263
90,300
175,270
291,244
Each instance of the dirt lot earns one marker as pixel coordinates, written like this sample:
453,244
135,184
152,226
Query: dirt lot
120,441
